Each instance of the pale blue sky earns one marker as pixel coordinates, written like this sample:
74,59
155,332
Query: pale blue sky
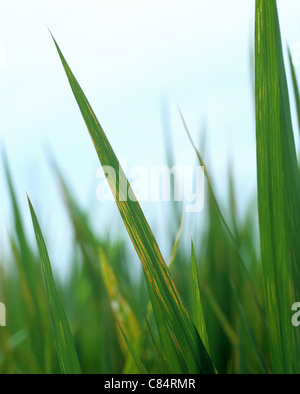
129,56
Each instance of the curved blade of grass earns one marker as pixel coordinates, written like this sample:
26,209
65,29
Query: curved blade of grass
163,360
83,234
168,345
155,268
258,353
120,307
134,355
27,266
199,317
164,333
153,307
222,217
170,157
166,340
17,218
224,322
176,243
65,347
88,244
30,278
278,188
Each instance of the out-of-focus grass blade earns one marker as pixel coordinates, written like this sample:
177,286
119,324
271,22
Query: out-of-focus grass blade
225,324
199,317
278,188
166,340
31,280
176,243
153,306
258,353
165,336
163,360
27,269
222,217
155,268
88,243
66,351
122,310
136,358
170,156
83,234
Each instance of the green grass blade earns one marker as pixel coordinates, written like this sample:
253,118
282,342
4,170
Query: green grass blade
134,355
224,221
170,160
30,277
120,306
199,317
278,188
166,340
261,361
83,234
155,268
221,317
25,252
176,243
163,360
65,347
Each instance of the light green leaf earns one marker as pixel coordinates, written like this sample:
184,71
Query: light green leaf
134,355
278,188
65,347
155,268
199,316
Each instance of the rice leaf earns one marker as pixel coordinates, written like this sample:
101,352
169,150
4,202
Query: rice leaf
120,307
221,317
163,360
199,316
166,340
224,221
134,355
31,279
176,243
260,358
278,188
155,268
65,347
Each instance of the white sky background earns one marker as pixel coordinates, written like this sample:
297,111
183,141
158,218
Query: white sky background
129,56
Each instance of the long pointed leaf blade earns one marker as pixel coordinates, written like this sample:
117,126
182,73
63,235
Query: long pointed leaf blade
199,317
156,270
257,351
141,367
166,340
65,347
158,349
278,188
222,217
